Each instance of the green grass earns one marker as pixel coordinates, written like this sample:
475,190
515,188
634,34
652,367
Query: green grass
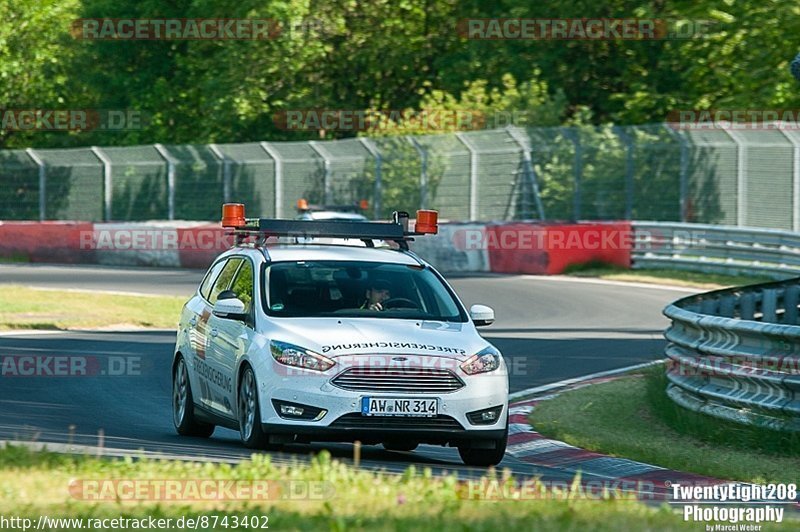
688,279
633,418
28,308
33,484
14,258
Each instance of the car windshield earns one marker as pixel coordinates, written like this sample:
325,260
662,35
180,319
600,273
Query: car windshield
358,289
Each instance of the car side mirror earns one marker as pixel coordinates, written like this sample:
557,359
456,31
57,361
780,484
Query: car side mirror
481,315
230,308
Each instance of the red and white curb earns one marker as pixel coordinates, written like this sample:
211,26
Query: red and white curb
647,482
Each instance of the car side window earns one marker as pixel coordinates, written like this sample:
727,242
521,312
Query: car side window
224,280
211,276
243,285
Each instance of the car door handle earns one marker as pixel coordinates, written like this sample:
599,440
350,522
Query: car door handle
214,332
193,321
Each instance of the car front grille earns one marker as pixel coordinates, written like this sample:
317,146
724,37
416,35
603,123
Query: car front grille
357,421
400,380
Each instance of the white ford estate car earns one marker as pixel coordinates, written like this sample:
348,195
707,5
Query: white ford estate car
294,343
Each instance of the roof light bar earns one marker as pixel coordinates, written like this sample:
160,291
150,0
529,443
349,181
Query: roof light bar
395,230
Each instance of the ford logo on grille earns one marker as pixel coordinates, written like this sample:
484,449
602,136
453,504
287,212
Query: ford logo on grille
399,359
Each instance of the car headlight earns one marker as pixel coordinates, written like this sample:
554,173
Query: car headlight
299,357
485,361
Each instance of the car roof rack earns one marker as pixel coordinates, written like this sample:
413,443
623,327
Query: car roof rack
395,230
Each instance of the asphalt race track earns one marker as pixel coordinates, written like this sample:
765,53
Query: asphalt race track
548,329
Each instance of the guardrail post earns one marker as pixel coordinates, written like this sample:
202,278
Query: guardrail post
326,162
791,298
42,182
107,182
527,165
627,140
373,150
795,178
473,175
423,175
741,177
683,176
170,179
577,167
225,162
278,177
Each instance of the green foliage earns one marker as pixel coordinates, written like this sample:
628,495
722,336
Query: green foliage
384,55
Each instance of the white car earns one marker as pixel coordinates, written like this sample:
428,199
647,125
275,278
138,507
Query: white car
307,342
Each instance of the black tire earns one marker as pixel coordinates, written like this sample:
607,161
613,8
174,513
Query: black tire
484,457
250,431
400,445
186,424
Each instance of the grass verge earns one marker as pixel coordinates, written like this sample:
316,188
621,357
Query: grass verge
27,308
709,281
344,498
633,418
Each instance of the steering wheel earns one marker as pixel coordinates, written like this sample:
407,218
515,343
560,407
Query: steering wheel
400,302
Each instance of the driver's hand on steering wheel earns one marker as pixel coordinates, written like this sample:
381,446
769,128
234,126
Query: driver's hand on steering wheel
376,306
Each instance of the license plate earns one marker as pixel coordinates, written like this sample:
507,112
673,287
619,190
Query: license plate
396,406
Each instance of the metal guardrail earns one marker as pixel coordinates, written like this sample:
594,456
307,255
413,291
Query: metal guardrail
735,354
716,248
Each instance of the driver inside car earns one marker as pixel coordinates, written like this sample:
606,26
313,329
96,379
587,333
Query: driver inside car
378,292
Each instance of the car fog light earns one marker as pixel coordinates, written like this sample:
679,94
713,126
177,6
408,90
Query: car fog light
289,410
487,416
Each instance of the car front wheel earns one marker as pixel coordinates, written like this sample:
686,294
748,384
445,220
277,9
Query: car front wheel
250,430
474,456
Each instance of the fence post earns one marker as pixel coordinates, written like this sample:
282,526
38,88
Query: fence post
473,175
683,177
741,183
42,182
107,182
278,177
527,162
226,171
326,161
628,141
170,179
795,178
373,150
423,176
577,167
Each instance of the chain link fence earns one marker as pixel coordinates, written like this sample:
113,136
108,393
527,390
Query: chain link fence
648,172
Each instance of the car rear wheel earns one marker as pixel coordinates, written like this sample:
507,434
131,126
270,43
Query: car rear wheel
475,456
183,405
250,431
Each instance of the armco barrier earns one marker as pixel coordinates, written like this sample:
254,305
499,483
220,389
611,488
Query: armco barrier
716,248
735,354
45,241
525,248
551,248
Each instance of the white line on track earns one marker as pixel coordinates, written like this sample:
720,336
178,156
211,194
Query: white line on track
575,380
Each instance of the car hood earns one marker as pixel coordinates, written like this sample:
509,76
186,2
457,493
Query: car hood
348,336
